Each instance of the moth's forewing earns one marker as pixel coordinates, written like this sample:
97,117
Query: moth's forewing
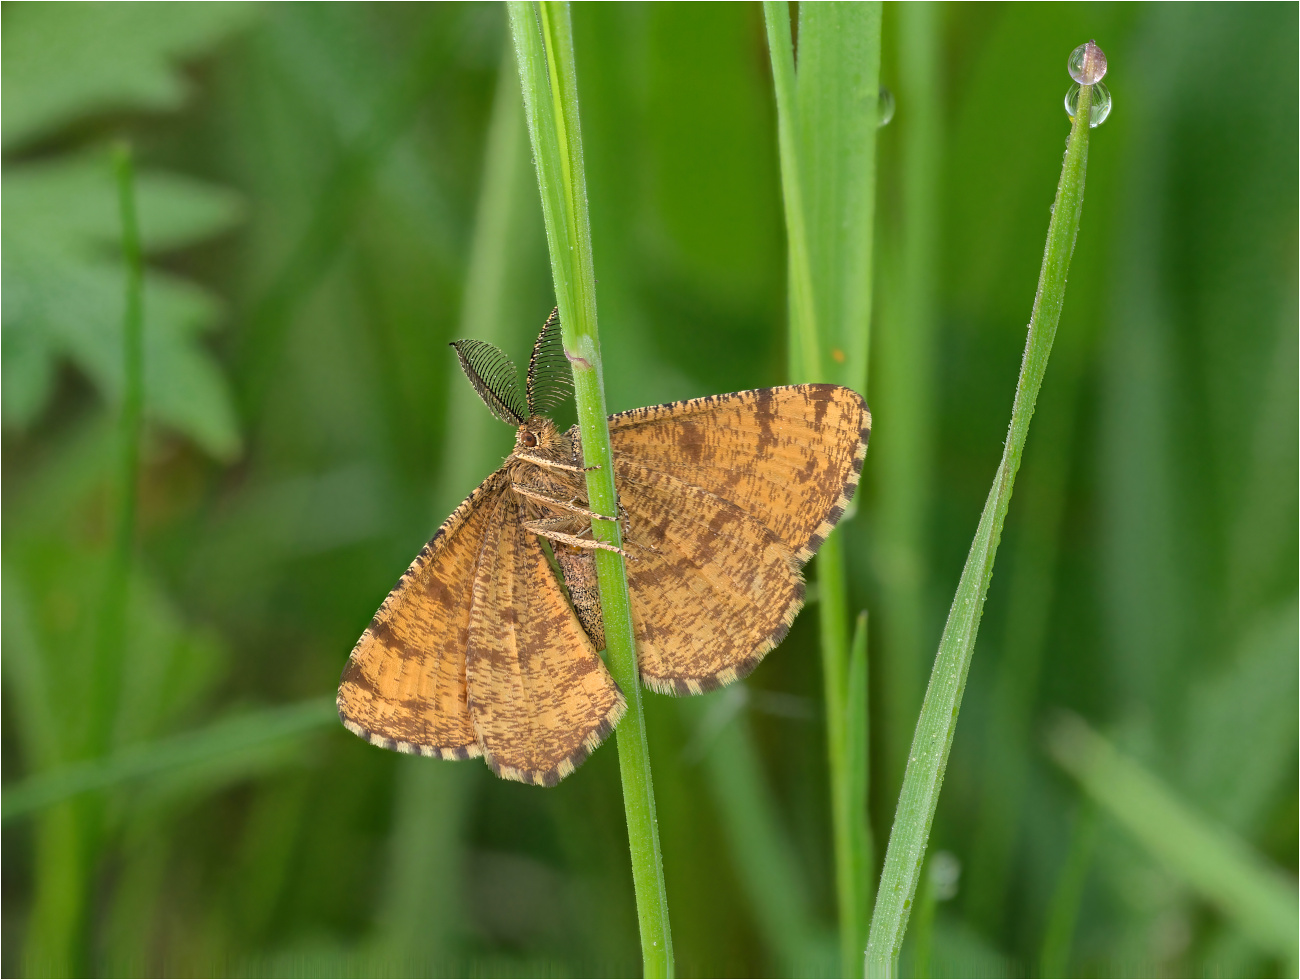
731,494
713,589
789,456
540,698
404,685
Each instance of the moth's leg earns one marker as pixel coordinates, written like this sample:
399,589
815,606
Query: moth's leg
547,529
552,464
526,491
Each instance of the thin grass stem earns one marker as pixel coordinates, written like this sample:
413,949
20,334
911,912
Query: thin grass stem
111,633
543,36
937,724
805,350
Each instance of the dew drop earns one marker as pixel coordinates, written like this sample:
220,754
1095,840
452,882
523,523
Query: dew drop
884,107
1087,64
1101,104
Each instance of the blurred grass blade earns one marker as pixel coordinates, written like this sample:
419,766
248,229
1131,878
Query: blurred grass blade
1067,899
543,35
857,765
1220,866
826,129
937,723
264,335
761,853
838,88
222,739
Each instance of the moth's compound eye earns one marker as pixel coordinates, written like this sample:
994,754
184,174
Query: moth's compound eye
529,440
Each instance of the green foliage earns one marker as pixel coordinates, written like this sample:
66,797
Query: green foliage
63,289
1147,566
1212,861
64,63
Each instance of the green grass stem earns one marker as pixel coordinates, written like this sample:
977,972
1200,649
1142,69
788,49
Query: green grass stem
937,724
1033,578
111,632
1258,896
826,132
543,35
804,348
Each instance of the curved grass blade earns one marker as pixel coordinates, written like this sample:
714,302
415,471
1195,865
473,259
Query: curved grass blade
937,723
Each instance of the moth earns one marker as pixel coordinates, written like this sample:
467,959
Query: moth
478,651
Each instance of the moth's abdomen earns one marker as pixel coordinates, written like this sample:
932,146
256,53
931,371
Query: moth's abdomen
579,568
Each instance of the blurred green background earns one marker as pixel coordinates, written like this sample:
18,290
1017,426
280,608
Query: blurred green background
330,193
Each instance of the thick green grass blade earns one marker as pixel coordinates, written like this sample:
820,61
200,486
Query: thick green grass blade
1220,866
904,390
937,723
826,127
543,35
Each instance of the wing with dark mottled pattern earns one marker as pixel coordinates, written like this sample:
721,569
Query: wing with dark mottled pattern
789,456
540,698
404,685
713,589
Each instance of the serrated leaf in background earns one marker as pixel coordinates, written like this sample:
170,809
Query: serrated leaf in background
63,295
124,55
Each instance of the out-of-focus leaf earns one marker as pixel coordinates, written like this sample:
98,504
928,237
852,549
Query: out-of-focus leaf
63,295
1242,739
66,60
230,739
1212,860
53,580
74,201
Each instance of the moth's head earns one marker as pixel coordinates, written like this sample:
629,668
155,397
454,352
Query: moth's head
540,437
494,377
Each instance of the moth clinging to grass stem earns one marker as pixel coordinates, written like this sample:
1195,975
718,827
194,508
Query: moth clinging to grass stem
480,650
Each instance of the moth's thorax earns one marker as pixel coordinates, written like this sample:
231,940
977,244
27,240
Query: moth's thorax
539,437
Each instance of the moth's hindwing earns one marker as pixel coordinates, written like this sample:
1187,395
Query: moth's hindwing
713,589
540,698
790,456
404,685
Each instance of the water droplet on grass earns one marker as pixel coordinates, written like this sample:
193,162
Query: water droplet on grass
1101,104
1087,64
884,107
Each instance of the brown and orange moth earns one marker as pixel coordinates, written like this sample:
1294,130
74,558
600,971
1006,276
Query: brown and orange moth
478,650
